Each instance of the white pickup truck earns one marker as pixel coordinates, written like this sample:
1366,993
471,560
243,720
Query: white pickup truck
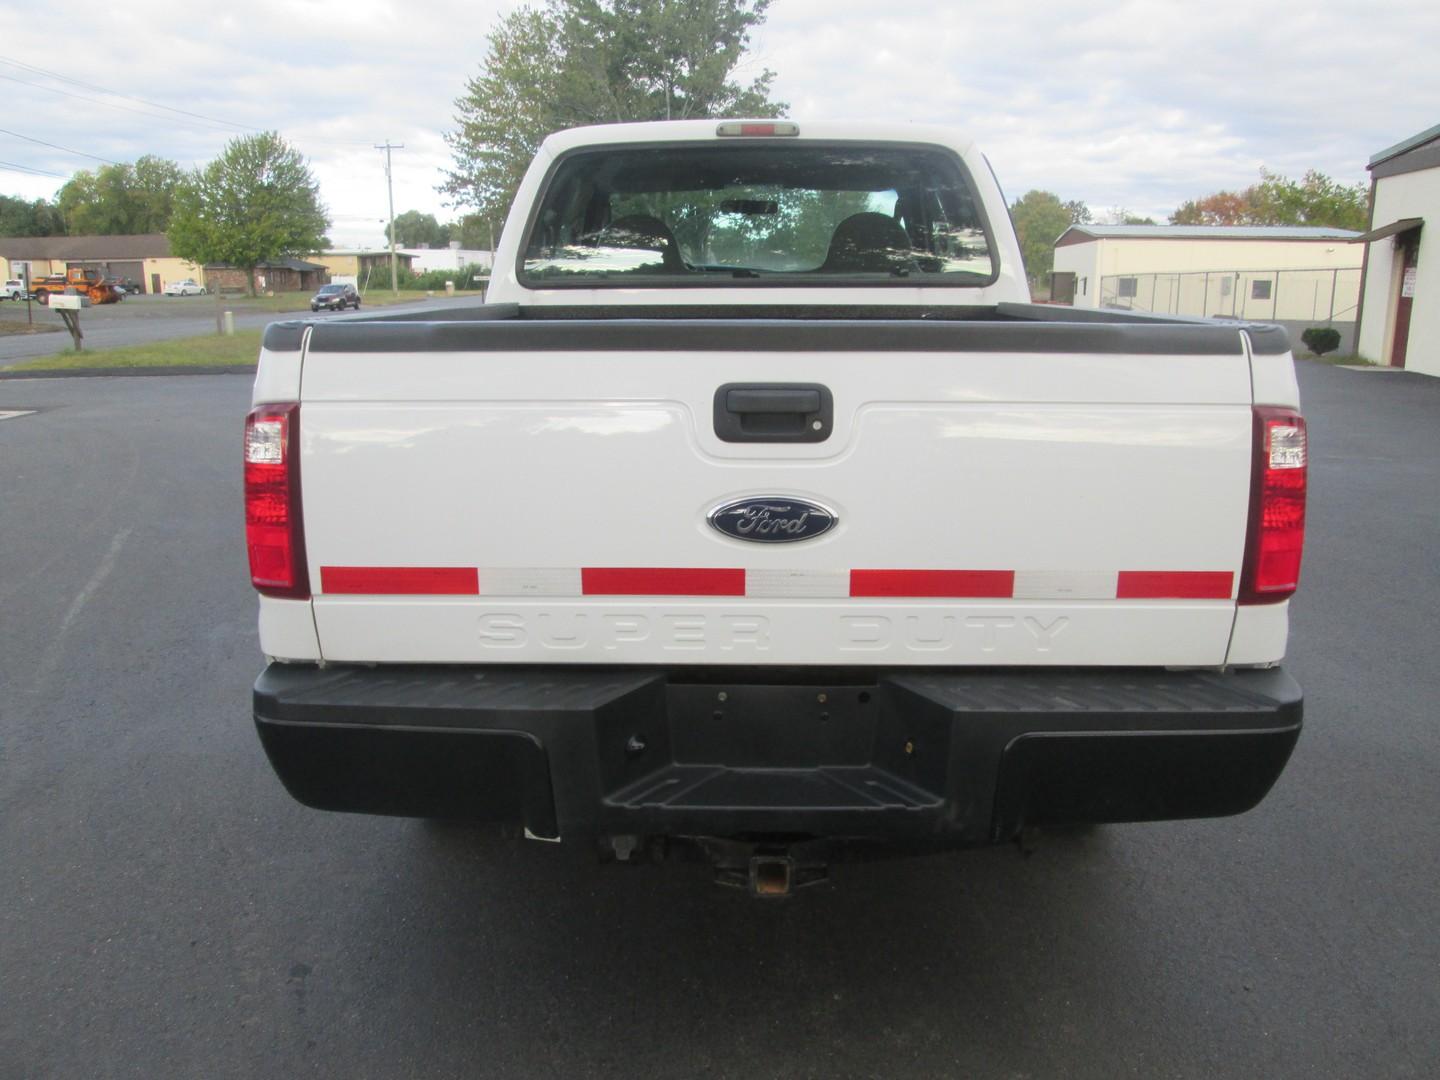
759,510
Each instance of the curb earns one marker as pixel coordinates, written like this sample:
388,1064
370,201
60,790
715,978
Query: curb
127,372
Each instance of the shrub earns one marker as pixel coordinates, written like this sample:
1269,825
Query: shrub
1321,339
463,278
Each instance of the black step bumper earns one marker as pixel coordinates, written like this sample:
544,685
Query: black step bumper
937,758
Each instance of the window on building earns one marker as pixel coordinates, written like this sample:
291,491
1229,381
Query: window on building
1082,285
1260,290
1126,287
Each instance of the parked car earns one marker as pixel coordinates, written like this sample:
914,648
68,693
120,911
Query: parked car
129,286
335,298
14,289
778,542
185,288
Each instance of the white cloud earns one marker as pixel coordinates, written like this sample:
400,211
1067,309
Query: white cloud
1139,104
335,80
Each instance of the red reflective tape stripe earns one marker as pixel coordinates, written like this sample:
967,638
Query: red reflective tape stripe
401,580
1174,585
707,581
660,581
957,583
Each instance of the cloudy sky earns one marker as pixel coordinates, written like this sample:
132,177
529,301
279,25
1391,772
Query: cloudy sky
1140,105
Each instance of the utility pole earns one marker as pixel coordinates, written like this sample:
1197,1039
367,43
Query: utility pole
390,186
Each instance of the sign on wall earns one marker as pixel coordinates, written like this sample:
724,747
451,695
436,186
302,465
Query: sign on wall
1407,283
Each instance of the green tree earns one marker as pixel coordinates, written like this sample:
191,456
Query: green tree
475,232
596,61
1040,217
505,113
21,218
121,199
255,203
659,59
1315,199
412,229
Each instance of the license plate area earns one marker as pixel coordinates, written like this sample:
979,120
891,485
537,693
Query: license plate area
778,727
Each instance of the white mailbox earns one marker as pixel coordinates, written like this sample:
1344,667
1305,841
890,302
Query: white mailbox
69,303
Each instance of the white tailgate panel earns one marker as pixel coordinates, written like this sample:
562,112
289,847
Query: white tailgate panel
1068,471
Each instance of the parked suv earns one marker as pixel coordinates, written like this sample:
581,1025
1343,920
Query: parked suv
335,298
14,289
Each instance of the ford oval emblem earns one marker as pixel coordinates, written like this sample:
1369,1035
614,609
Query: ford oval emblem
772,519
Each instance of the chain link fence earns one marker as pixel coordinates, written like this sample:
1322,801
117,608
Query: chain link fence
1297,299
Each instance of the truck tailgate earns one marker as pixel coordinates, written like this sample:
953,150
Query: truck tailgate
993,507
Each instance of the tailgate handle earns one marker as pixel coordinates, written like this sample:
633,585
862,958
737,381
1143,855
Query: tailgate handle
780,400
774,412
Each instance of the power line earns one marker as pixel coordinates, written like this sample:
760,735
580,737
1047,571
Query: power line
56,146
207,123
116,93
97,101
26,168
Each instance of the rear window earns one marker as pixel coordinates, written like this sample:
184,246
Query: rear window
796,214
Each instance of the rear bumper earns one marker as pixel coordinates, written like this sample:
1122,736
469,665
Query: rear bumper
931,758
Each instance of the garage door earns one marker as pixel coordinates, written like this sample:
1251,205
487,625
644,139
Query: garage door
134,269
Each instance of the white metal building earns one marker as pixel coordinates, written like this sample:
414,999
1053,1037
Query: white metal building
453,257
1400,297
1297,276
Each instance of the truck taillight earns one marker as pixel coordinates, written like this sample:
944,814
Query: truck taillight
272,502
1276,536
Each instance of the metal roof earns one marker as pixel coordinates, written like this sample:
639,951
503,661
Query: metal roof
1212,232
274,264
86,248
368,251
1399,226
1403,145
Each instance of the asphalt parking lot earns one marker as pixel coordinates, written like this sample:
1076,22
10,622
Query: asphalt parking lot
167,911
138,319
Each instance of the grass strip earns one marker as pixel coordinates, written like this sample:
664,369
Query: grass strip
208,350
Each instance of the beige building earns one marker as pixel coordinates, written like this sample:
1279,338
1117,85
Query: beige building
1296,276
145,258
1400,297
359,263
